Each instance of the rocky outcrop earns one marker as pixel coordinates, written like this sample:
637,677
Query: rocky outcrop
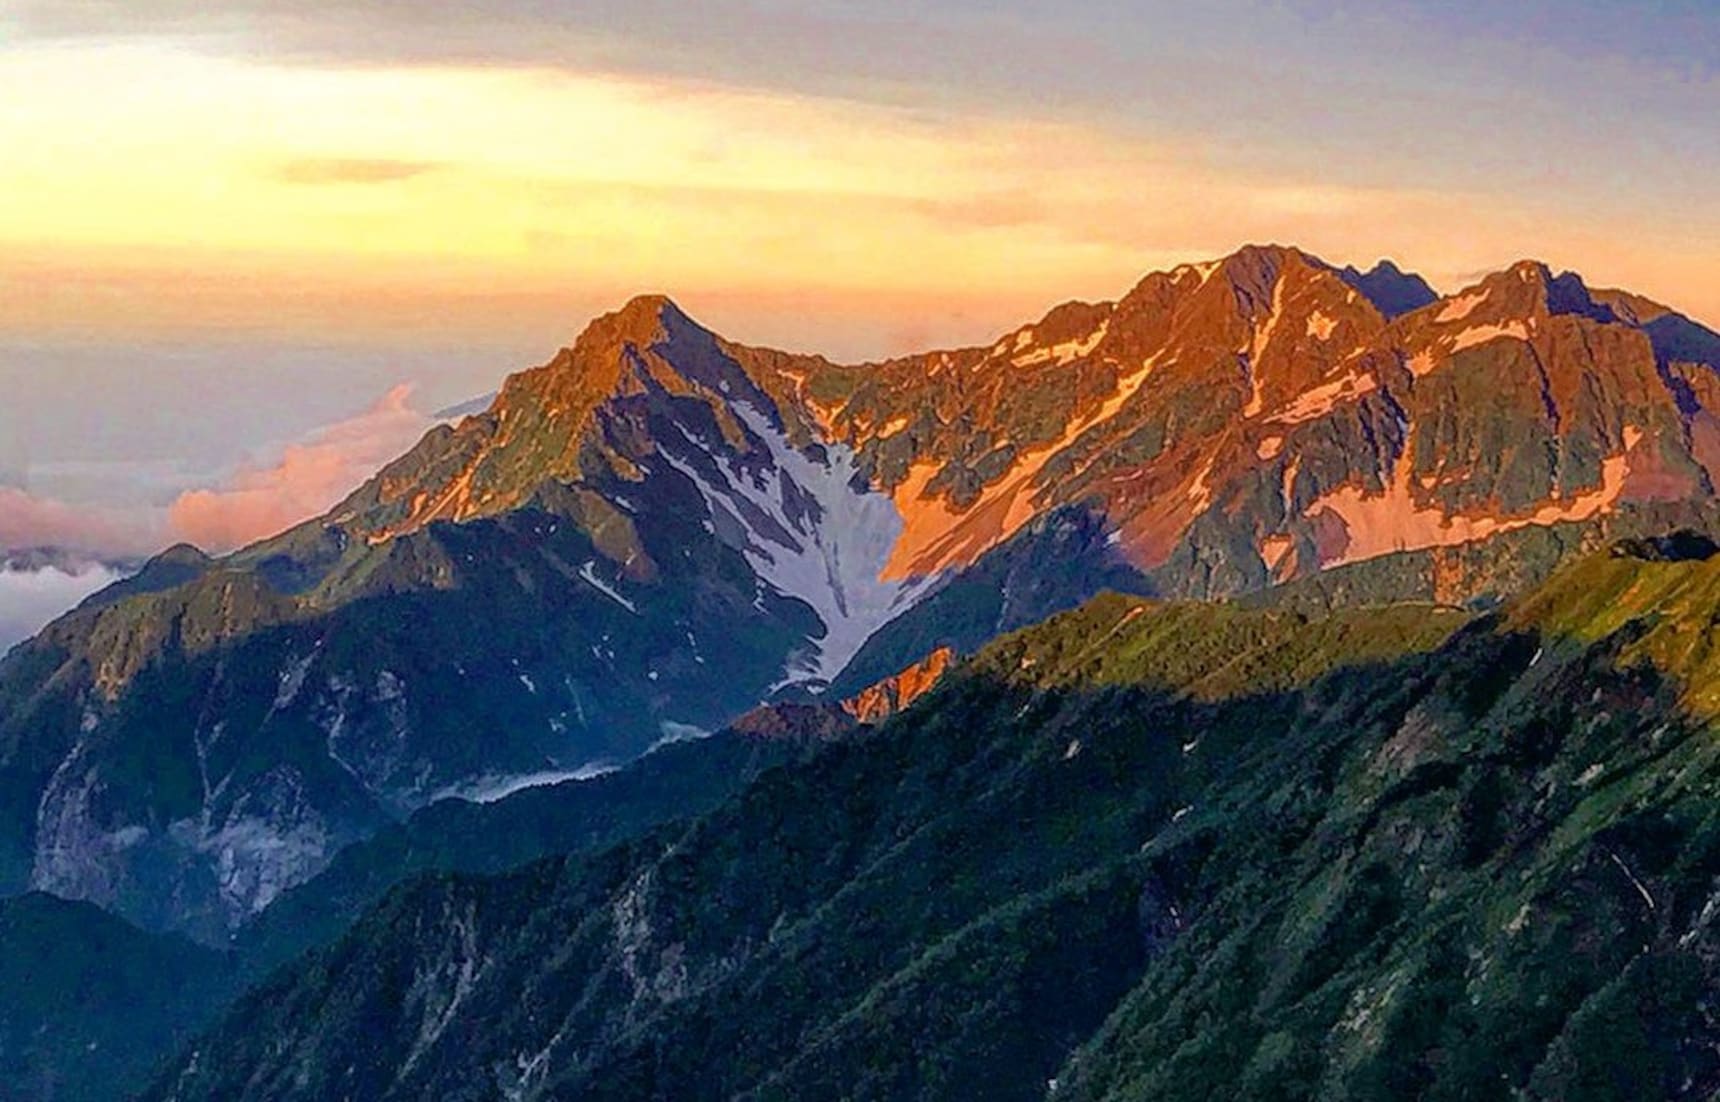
884,699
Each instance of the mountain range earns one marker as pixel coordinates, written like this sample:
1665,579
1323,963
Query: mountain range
437,763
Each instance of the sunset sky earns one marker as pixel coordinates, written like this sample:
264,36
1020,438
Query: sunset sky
231,229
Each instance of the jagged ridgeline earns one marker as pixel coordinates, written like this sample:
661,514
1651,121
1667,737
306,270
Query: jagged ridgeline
1141,851
659,528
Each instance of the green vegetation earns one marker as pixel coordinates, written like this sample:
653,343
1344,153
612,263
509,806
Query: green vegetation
1141,851
89,1005
568,819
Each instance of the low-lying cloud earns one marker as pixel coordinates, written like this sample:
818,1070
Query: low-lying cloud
310,476
258,500
30,598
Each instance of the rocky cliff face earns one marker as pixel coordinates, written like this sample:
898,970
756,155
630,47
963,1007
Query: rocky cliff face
893,694
659,528
1262,402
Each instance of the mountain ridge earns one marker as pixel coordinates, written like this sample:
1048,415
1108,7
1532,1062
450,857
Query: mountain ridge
658,528
1143,849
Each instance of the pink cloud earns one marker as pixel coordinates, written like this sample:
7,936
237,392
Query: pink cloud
310,477
30,521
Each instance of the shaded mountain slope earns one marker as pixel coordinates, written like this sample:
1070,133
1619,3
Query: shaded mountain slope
571,818
186,755
89,1005
1140,851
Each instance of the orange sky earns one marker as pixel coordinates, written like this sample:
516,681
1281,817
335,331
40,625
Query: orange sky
153,190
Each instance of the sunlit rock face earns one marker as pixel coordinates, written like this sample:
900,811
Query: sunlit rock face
659,528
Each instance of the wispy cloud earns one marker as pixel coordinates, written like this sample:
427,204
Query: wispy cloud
561,157
349,170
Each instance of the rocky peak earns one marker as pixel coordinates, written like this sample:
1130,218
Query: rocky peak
1393,291
597,363
1528,290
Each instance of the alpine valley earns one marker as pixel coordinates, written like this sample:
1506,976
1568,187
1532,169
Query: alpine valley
1280,682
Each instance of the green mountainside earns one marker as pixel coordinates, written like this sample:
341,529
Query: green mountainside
89,1005
1140,851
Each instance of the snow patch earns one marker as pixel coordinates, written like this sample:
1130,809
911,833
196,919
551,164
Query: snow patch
1065,353
1324,398
674,732
1273,549
1461,307
1199,492
1482,334
589,573
1395,521
936,536
1257,348
292,680
827,543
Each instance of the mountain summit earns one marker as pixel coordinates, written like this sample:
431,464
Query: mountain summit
658,528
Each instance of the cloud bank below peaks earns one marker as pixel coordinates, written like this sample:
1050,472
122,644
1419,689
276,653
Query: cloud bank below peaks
310,476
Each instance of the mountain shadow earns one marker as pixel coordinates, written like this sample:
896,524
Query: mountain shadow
1140,851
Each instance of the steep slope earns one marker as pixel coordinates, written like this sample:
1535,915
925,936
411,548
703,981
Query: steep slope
842,890
647,398
570,818
89,1005
1259,419
183,756
454,835
1141,851
658,528
1053,564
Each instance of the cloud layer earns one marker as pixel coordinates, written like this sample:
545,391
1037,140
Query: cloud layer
31,598
310,476
260,498
27,520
